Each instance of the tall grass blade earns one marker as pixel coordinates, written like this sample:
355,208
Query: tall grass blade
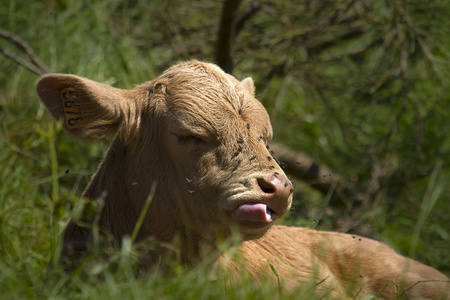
143,212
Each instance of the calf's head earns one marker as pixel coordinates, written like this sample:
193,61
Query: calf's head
195,131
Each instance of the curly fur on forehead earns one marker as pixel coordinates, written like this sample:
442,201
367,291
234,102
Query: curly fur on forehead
203,80
218,101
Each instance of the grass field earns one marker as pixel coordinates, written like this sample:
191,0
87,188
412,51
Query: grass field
43,171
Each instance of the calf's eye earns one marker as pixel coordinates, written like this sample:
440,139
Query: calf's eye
188,139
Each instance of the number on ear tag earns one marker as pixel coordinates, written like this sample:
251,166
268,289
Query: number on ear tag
72,108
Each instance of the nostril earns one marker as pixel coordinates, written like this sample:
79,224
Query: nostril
266,186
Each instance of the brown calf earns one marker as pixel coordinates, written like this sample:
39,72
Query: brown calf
199,136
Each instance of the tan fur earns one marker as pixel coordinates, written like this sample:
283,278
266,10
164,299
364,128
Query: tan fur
200,136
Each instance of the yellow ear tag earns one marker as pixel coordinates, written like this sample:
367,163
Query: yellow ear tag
72,108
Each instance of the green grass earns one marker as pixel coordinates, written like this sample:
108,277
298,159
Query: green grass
43,171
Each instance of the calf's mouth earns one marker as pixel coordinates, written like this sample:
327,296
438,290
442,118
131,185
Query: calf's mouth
254,212
253,219
255,209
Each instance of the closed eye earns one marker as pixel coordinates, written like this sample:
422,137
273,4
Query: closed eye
185,139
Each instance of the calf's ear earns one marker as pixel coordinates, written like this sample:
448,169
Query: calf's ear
88,109
248,85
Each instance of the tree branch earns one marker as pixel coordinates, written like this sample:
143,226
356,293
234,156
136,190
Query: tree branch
21,62
321,46
35,65
226,35
321,178
230,26
251,10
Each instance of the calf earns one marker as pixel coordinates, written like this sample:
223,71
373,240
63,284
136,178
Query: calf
194,140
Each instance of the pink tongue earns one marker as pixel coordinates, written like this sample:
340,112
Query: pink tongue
254,212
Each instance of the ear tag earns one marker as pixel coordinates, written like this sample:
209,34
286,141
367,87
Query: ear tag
72,108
